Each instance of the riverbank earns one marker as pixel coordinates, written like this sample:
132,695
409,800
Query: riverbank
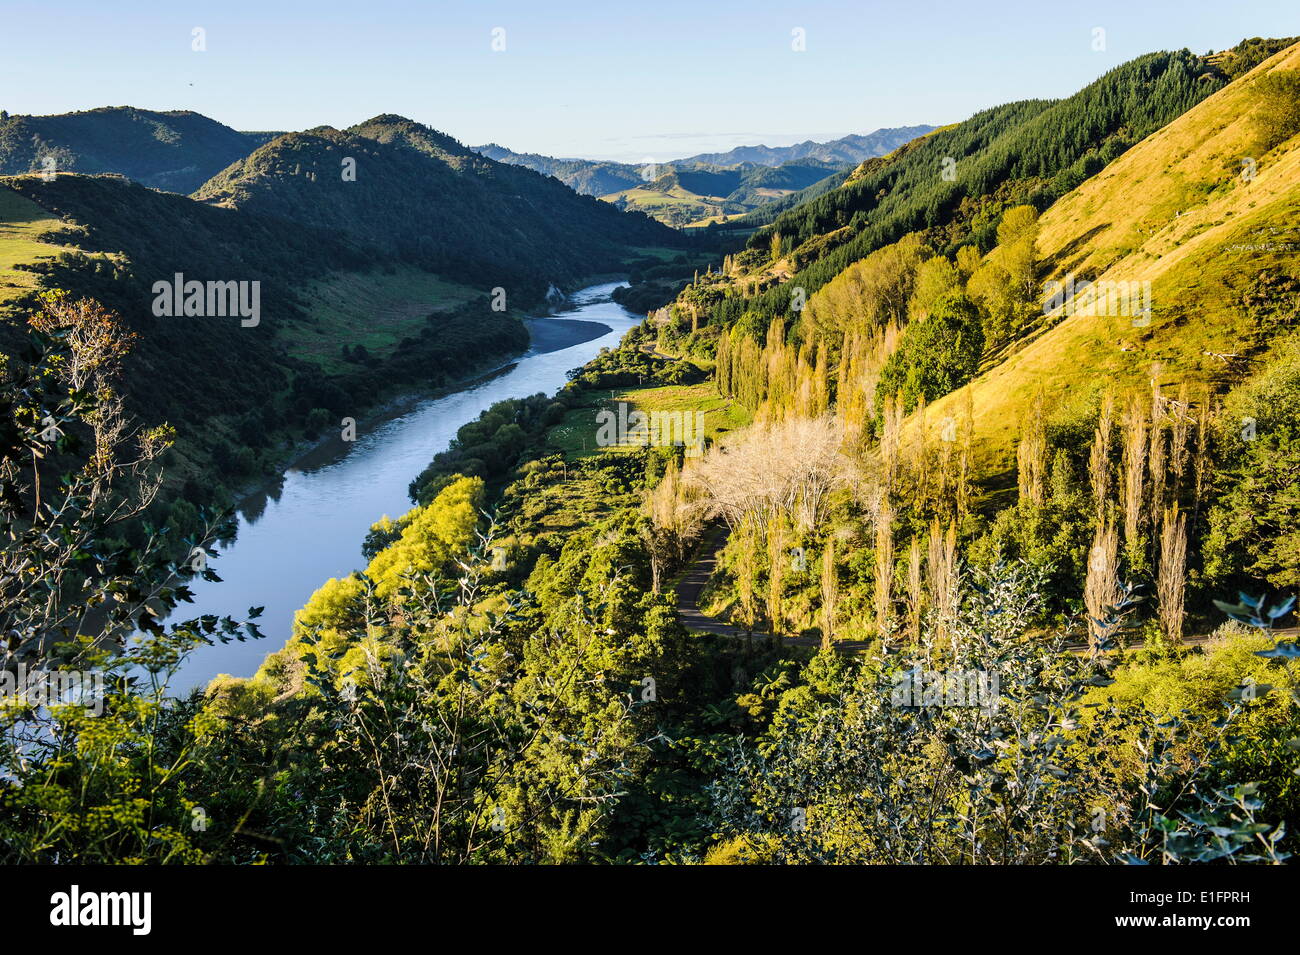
307,524
546,335
554,334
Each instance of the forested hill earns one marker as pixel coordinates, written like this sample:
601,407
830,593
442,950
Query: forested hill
337,329
955,182
176,150
122,237
367,284
424,198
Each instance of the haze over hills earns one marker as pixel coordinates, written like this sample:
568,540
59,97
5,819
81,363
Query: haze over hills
845,151
711,185
176,150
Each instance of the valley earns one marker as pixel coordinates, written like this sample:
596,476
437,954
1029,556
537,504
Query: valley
307,526
700,190
921,497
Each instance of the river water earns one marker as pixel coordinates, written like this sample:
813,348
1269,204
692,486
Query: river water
309,527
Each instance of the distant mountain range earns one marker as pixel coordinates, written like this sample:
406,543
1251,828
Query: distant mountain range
598,177
711,186
846,151
587,176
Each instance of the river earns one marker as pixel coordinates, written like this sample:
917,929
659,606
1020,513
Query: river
309,526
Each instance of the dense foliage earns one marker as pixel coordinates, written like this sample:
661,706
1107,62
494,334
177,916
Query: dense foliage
514,690
936,355
423,198
1078,657
176,150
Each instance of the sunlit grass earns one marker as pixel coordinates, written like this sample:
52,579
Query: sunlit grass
575,435
371,309
21,223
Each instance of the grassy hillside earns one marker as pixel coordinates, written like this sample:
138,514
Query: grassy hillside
954,183
22,224
175,150
110,239
573,435
396,303
695,194
1055,426
1174,211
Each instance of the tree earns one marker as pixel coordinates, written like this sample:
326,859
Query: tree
1133,491
1017,234
1101,591
830,592
936,278
1040,766
1172,579
1277,109
1251,482
432,536
84,777
777,539
936,356
787,467
1031,454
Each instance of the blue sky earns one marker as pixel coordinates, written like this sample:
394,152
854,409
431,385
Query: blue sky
631,81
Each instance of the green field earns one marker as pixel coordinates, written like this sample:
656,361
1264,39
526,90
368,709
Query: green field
676,206
575,435
22,222
371,309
